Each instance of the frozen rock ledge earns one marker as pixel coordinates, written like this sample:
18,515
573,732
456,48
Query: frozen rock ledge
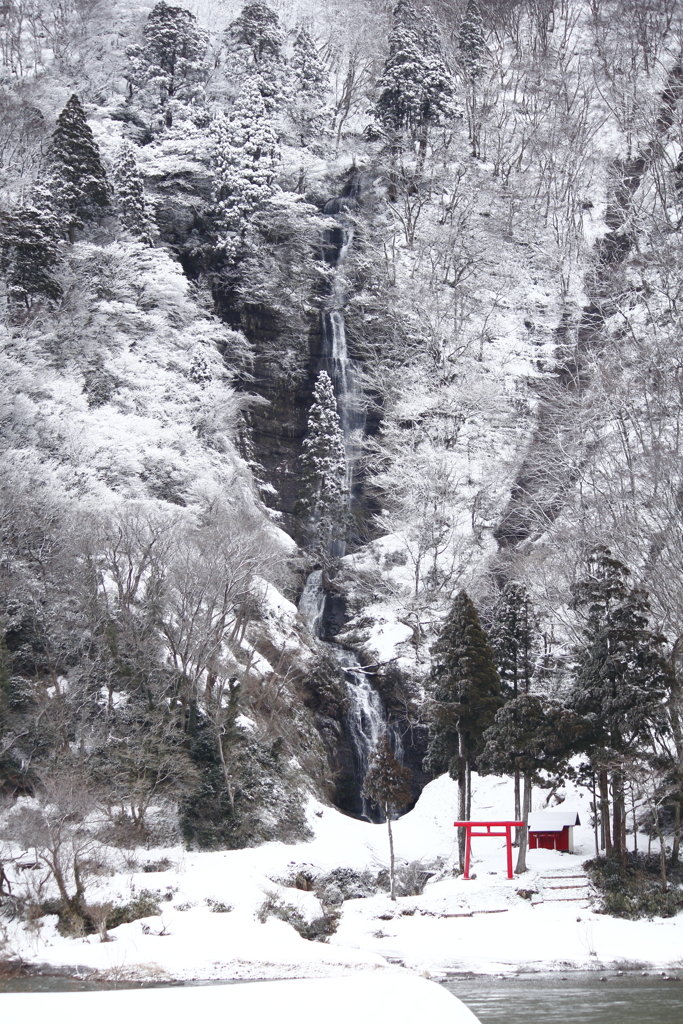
365,999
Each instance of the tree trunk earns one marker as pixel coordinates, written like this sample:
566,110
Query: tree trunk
392,867
604,812
421,153
468,783
523,841
662,861
662,851
518,808
595,816
676,845
226,777
392,192
618,823
462,797
675,704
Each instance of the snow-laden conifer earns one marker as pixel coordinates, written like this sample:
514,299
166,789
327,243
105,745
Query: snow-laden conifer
325,492
532,737
129,191
244,157
515,640
472,58
309,81
464,698
173,57
415,90
29,253
622,680
472,51
76,179
514,637
254,42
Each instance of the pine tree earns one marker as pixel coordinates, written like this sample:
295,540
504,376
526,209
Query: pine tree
76,178
255,41
415,88
129,191
464,695
309,86
29,252
621,678
325,492
245,152
173,57
387,786
531,736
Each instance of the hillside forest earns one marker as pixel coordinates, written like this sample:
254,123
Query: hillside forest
341,423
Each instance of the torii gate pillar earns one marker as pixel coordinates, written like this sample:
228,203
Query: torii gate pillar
504,831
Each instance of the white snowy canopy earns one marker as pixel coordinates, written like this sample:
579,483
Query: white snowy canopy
552,821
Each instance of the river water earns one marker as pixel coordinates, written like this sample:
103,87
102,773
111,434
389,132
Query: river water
579,998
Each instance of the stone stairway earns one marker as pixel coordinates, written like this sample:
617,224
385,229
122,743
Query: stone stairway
563,885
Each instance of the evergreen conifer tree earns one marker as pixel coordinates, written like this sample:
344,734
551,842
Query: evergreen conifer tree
256,43
465,695
29,253
129,191
325,492
244,157
415,90
309,85
472,58
387,786
76,180
621,678
530,736
472,51
515,640
173,57
514,637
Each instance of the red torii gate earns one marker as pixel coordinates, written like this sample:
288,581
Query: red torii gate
488,825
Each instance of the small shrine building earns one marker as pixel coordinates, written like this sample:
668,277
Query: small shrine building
552,830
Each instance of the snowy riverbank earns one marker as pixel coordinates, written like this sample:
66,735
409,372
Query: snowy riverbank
364,1000
210,926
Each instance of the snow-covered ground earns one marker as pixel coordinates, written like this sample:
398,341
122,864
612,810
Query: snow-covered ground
481,925
365,1000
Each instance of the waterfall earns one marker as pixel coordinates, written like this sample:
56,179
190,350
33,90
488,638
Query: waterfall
365,722
312,603
334,355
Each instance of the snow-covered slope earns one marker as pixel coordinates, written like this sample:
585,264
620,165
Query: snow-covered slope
209,926
365,1000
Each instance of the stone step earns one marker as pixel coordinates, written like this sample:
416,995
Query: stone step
557,888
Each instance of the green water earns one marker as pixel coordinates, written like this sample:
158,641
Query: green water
576,998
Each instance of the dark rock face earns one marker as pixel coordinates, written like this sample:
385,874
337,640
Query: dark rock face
180,201
280,374
340,756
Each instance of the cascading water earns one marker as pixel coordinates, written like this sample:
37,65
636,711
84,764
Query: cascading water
334,355
366,720
312,603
